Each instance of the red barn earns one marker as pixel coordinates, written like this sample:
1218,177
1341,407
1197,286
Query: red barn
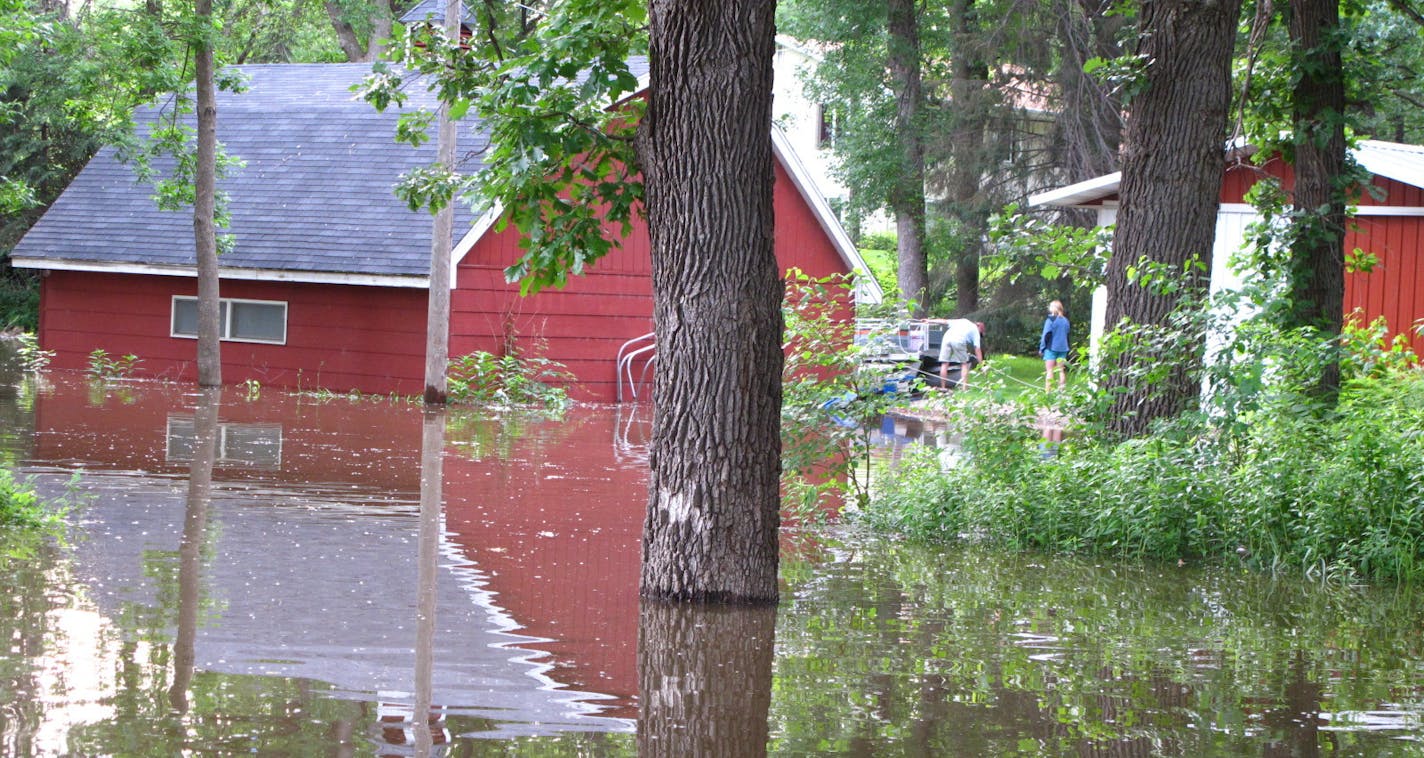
1389,225
325,284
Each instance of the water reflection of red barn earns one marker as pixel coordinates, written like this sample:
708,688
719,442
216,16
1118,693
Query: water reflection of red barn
283,439
548,510
558,534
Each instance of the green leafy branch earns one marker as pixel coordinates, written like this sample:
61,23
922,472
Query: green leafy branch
560,162
1027,244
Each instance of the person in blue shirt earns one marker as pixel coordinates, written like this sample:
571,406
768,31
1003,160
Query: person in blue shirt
1053,346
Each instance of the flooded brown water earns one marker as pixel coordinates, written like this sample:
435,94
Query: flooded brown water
289,575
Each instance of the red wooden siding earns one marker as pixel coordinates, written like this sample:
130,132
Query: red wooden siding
339,337
583,325
344,337
1394,288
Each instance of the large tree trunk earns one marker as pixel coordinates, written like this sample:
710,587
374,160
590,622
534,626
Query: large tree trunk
1171,186
345,33
382,22
205,204
1318,105
704,679
705,146
907,199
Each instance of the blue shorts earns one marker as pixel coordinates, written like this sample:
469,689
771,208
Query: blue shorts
1054,355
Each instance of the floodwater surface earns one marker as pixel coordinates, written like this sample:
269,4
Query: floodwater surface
298,575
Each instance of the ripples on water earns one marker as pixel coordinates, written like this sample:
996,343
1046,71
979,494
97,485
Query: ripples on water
308,591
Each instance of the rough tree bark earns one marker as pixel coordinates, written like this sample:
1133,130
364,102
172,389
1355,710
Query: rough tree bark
205,203
705,148
907,199
1318,114
345,33
1171,185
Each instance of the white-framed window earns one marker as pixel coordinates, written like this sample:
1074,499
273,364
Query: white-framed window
239,320
246,445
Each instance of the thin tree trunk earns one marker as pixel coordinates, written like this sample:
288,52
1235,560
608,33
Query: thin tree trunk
205,204
1171,185
907,199
190,550
705,146
432,491
973,111
437,318
1318,113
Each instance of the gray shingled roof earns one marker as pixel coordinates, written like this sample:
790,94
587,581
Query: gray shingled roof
434,11
315,195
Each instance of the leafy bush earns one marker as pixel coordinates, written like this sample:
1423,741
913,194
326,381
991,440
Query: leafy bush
19,303
105,367
832,402
19,505
1285,487
32,358
1369,350
507,380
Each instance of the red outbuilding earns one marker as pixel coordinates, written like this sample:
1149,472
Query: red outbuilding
324,285
1388,223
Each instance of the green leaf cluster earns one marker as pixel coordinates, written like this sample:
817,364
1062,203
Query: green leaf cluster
508,380
557,106
833,399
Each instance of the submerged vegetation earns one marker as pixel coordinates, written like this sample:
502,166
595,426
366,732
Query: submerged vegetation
19,505
508,380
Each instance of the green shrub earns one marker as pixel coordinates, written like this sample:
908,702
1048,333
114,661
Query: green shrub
104,367
507,380
832,402
19,303
32,358
1339,493
19,505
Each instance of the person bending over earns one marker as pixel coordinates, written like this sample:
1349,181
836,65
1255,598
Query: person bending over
962,339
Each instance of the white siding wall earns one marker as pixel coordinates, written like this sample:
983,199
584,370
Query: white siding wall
1231,223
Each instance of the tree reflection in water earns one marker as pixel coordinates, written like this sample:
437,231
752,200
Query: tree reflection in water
279,605
195,534
704,678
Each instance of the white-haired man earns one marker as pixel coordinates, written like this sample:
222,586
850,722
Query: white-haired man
962,340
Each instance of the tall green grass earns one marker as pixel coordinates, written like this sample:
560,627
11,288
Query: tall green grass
1339,493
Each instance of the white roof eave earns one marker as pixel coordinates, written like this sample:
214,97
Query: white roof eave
1081,195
